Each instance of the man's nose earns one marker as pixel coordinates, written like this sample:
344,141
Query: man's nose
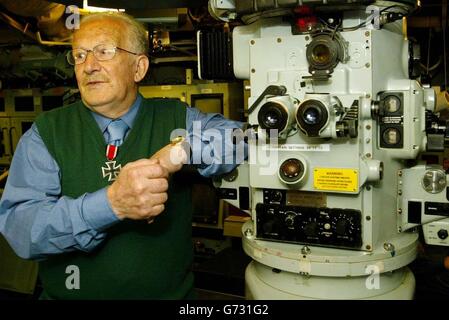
91,64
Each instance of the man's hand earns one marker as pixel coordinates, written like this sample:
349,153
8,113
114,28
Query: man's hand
173,156
140,190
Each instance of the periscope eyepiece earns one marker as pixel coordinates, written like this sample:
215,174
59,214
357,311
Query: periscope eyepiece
311,117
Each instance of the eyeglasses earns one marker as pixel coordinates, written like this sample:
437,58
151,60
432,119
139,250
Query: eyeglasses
102,52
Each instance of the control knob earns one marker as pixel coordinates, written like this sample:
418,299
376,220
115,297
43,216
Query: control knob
442,234
342,227
290,219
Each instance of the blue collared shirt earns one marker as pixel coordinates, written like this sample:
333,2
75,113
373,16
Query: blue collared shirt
37,221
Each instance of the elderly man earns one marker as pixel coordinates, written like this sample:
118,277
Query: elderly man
101,234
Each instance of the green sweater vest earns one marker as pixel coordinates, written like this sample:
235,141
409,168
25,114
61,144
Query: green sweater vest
137,260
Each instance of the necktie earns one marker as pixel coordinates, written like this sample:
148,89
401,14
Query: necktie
117,130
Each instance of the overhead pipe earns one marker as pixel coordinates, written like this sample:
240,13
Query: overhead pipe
24,29
49,15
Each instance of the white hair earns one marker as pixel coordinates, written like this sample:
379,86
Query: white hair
139,37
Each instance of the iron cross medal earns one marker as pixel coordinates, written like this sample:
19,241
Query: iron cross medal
112,170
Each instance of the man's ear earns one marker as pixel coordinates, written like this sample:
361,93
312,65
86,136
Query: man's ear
142,66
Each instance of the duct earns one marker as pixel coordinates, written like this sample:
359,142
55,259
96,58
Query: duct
16,25
33,8
24,30
175,17
138,4
49,15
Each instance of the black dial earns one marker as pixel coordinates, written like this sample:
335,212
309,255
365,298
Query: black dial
290,219
276,196
341,227
442,234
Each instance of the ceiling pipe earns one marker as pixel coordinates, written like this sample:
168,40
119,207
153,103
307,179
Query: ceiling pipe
24,30
50,19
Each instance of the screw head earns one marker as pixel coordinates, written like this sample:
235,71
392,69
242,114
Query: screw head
388,246
305,250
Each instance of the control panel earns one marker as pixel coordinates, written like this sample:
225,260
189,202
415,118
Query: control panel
309,225
437,232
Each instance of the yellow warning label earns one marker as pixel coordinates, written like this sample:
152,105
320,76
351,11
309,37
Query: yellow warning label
334,179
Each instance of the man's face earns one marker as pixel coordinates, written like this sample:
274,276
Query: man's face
105,86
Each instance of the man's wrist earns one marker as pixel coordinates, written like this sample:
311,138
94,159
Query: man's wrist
97,210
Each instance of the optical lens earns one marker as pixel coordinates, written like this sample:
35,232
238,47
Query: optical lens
321,54
311,116
271,119
273,115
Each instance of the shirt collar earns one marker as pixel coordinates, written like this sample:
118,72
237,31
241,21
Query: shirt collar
128,117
